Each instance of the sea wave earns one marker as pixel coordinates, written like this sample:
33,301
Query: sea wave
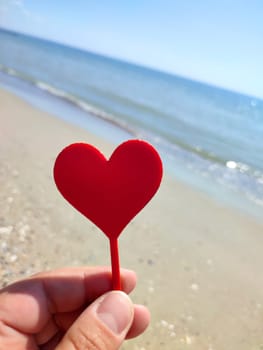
70,98
85,106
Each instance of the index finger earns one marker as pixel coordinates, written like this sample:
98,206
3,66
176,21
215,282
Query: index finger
68,288
27,305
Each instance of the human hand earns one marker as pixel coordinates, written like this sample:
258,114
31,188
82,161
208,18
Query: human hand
69,309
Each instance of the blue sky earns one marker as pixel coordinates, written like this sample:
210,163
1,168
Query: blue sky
219,41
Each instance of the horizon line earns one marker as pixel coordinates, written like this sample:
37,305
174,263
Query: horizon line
135,64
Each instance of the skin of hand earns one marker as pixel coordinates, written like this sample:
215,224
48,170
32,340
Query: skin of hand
70,309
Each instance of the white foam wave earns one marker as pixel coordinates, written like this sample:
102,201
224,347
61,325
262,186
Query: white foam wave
50,89
83,105
11,71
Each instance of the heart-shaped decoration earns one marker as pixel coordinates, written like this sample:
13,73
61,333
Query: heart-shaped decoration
109,192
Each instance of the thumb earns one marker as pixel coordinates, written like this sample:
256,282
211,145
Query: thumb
102,326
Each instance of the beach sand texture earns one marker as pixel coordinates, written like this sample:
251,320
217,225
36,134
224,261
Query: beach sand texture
199,264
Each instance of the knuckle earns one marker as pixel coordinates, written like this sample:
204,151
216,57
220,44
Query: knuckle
83,340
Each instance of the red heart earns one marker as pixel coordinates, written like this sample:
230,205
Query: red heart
108,192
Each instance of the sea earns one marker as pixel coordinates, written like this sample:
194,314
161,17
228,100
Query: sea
209,138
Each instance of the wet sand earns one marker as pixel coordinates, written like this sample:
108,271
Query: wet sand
199,264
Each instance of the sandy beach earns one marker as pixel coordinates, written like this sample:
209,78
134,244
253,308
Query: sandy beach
200,264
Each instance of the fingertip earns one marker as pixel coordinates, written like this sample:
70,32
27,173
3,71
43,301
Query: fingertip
141,321
116,311
103,325
128,280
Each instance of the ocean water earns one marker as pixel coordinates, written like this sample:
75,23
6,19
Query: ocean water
208,137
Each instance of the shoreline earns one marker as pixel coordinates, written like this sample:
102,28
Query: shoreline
199,267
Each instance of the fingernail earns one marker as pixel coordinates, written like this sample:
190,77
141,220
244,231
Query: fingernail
116,311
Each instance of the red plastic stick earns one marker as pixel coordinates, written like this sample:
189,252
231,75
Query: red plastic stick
115,264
